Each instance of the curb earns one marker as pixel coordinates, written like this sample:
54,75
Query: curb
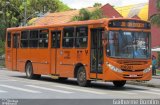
2,68
143,83
156,77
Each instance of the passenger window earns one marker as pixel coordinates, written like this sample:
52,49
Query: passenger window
81,37
68,37
9,40
43,38
33,41
24,39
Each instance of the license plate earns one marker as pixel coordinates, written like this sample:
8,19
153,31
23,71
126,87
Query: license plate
132,75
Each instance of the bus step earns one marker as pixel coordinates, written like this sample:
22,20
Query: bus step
95,79
54,76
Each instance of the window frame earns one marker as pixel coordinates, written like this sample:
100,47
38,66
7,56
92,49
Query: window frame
39,33
33,39
27,39
86,36
64,37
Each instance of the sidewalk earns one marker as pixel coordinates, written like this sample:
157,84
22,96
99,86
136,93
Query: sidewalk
156,77
154,82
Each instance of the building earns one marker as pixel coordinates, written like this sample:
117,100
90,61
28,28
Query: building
64,17
139,11
155,30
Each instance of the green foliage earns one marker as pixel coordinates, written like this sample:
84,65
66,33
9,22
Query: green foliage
13,12
97,14
84,14
2,44
47,5
155,19
97,5
158,4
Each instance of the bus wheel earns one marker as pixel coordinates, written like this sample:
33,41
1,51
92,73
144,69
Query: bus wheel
29,72
119,83
81,77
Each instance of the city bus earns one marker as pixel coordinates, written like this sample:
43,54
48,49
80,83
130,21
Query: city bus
110,49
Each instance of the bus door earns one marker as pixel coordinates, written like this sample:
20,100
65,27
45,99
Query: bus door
9,52
55,46
15,43
96,51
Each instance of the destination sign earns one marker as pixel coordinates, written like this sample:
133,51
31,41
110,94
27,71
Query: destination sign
129,24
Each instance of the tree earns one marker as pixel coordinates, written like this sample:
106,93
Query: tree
97,14
84,14
155,19
1,47
97,5
12,12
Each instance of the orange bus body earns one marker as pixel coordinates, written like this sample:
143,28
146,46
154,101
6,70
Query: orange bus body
65,61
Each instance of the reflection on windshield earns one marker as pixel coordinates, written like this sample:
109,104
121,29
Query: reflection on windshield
128,44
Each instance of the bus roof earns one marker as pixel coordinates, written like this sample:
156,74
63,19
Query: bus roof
76,23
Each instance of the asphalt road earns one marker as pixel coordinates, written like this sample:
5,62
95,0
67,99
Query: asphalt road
14,85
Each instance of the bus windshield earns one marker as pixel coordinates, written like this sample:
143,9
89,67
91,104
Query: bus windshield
126,44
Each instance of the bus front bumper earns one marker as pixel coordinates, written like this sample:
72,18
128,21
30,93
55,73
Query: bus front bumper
110,75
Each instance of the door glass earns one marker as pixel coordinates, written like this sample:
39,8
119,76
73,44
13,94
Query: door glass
96,51
56,36
9,40
15,41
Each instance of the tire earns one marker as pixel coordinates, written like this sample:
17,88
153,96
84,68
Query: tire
29,72
119,83
81,77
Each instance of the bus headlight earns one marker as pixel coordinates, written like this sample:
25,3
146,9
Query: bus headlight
146,70
114,68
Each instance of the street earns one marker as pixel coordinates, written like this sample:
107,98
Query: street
14,85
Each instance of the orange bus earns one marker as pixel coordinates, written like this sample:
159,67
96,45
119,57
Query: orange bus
114,50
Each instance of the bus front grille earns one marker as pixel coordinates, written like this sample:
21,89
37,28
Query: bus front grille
132,70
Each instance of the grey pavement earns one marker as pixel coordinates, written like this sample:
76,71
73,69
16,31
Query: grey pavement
154,82
16,85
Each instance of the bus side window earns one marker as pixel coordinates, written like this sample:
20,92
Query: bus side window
33,41
24,39
43,38
68,37
81,37
9,40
